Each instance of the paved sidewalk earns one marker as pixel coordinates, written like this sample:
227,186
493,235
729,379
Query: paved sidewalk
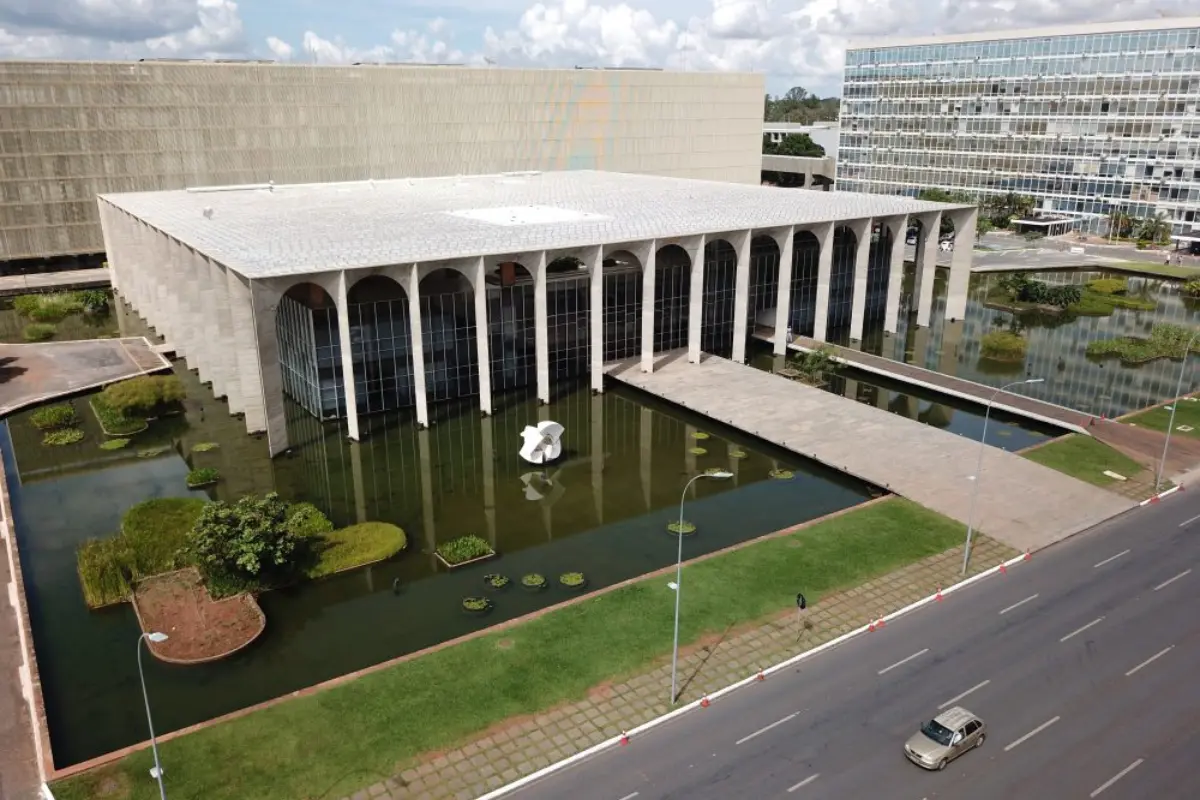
521,747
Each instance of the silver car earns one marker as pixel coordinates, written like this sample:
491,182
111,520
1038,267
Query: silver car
944,738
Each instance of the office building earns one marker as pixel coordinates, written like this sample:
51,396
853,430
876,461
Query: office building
72,130
331,293
1091,121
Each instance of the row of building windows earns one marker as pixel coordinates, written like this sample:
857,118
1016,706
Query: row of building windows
1074,83
1163,64
1039,47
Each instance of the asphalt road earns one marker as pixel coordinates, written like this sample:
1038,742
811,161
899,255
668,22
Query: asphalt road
1084,663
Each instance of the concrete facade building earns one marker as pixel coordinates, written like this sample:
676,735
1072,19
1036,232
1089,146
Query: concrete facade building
1090,120
331,293
72,130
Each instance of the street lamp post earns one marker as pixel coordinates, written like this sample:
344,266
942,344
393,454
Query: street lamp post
157,772
979,468
1162,463
719,475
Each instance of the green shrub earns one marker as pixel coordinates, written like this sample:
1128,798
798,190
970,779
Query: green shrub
247,541
53,307
114,444
48,418
496,581
62,436
202,477
143,395
38,332
1109,285
104,573
476,604
533,581
93,301
156,532
572,579
1003,346
354,546
1165,341
305,520
464,548
113,422
1192,288
25,304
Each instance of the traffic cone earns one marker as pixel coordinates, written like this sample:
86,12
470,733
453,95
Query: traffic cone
761,677
881,624
871,627
1003,568
624,738
1028,556
939,594
704,701
1154,499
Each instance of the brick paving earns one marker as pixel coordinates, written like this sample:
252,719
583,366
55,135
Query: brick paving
510,751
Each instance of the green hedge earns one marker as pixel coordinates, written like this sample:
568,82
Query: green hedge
113,422
347,548
49,418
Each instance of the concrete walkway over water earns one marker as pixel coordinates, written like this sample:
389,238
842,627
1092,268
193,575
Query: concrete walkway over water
35,373
1011,401
95,278
1021,503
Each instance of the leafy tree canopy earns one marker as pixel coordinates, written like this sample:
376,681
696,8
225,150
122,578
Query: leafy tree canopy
794,144
248,540
797,105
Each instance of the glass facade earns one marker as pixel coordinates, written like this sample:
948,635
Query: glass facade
380,323
1089,124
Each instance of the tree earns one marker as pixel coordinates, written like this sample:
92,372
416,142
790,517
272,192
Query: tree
1154,229
143,394
798,105
1006,207
793,144
249,541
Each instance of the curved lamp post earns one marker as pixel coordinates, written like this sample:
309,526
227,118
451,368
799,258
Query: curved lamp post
719,475
979,467
157,772
1162,463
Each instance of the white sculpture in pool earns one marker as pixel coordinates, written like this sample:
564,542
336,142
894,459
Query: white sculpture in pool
543,442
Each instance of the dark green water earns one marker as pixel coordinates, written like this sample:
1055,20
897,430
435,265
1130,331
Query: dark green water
603,511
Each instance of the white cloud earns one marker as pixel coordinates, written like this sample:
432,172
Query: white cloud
279,48
795,42
120,29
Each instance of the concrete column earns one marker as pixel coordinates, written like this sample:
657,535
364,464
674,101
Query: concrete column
598,456
488,447
226,346
646,453
425,459
141,269
271,414
741,296
926,266
166,260
412,287
898,227
862,253
960,263
824,234
244,334
649,276
210,327
108,234
595,261
360,489
541,329
195,328
482,338
783,302
696,298
349,390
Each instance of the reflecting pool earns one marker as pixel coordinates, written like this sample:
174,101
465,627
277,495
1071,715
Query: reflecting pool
603,509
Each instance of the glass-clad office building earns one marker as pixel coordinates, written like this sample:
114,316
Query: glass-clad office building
1091,121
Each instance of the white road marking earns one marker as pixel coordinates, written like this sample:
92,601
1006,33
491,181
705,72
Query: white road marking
805,782
1169,581
956,698
630,796
788,718
1117,777
1081,630
1110,558
904,661
1189,522
1150,660
1019,604
1032,733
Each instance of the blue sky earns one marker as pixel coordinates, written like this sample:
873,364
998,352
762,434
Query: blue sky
793,42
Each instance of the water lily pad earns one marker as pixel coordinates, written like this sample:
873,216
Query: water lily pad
697,451
737,452
699,435
781,474
685,529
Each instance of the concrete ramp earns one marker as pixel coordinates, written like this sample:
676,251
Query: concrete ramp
1022,504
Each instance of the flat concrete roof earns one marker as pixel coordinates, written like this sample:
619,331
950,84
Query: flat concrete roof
273,231
1122,26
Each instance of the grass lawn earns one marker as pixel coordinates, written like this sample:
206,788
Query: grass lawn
339,740
1151,268
1187,413
113,422
1084,458
347,548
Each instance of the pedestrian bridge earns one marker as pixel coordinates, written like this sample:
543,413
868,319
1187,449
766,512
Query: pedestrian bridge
1020,503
